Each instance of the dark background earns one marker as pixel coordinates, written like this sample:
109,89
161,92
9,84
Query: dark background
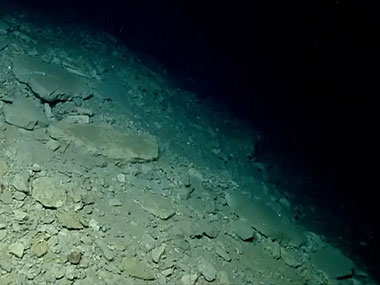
304,72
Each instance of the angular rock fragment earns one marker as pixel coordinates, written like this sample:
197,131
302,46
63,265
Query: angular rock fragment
6,196
84,111
74,257
39,248
21,182
6,266
222,253
49,192
50,82
157,205
291,257
195,179
189,279
157,252
17,249
70,220
23,113
77,119
242,230
137,269
207,270
106,251
53,145
115,203
265,219
333,262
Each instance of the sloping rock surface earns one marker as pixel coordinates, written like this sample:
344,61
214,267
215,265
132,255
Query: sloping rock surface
108,141
265,219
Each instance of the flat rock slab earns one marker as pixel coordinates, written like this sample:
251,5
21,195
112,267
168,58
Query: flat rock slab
137,269
17,249
49,191
206,269
265,219
70,220
157,205
242,229
333,262
105,140
50,82
23,113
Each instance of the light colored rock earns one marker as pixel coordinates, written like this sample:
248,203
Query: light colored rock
261,216
19,196
56,271
39,248
157,205
9,279
49,191
222,253
77,119
105,140
115,203
210,231
167,272
242,230
21,182
48,113
53,145
291,257
207,270
332,261
93,224
121,178
50,82
74,70
184,193
157,253
6,266
223,278
70,273
41,135
195,179
189,279
36,167
137,269
70,220
106,251
6,196
187,228
17,249
274,248
84,111
20,215
23,113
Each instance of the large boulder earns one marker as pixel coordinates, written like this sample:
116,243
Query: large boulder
50,82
